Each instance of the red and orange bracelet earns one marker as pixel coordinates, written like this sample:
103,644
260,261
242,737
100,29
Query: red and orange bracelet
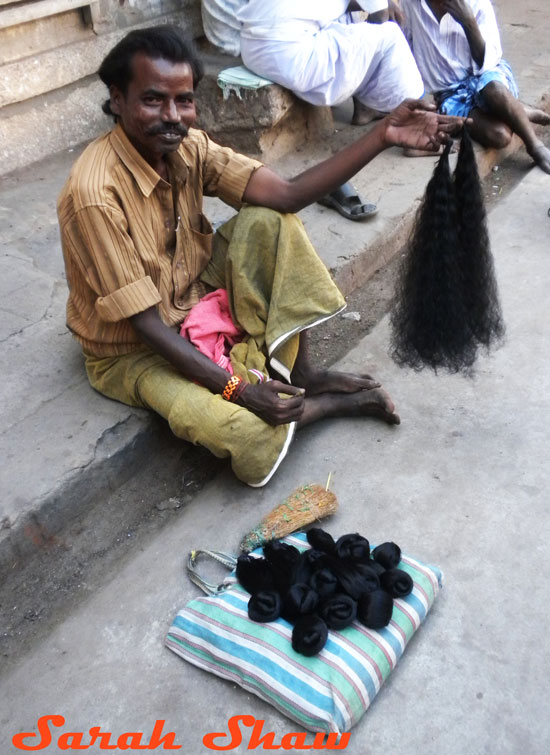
233,388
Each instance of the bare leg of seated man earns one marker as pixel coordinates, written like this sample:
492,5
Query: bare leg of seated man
338,394
491,131
364,403
503,116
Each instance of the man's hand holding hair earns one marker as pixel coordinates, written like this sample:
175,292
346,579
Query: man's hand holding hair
416,125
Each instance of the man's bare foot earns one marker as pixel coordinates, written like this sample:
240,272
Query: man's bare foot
537,116
316,382
541,156
363,115
364,403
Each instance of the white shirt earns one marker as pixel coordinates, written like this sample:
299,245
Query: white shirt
274,18
441,49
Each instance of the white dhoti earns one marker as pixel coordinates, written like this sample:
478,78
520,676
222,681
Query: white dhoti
372,62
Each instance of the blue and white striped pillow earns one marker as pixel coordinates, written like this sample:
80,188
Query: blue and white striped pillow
328,692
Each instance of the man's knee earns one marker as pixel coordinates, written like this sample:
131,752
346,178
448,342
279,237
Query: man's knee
227,430
260,454
270,228
497,135
264,215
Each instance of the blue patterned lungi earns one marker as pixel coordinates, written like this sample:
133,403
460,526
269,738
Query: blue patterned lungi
461,98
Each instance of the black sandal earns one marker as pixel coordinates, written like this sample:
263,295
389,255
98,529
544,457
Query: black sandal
347,202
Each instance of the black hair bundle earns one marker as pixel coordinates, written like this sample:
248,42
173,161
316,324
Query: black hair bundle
480,287
446,302
326,587
264,606
254,574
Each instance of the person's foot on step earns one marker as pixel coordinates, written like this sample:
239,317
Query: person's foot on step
541,156
363,115
538,116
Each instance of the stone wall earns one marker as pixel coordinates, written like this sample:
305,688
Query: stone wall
50,50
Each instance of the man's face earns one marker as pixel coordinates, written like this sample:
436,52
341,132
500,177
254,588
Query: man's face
158,107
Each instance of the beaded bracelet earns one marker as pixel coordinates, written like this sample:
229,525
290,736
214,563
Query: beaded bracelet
231,387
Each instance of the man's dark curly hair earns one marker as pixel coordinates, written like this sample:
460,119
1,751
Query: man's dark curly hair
446,302
167,42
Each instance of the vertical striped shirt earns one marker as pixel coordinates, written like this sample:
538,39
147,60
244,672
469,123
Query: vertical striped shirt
132,240
441,49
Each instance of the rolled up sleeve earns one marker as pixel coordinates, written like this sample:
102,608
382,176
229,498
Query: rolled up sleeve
127,301
227,173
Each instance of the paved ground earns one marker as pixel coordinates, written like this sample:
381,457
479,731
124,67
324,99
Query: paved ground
462,483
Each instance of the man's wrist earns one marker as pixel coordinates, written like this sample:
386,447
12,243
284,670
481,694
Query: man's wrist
378,134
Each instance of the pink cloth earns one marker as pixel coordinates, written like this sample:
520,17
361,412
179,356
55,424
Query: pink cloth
210,328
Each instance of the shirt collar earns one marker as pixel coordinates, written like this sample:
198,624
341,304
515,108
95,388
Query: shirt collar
146,177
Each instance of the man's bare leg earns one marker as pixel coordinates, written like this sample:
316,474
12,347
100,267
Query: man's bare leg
505,115
411,152
365,403
338,394
316,381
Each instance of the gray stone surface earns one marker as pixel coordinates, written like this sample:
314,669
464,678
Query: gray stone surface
63,65
49,95
269,122
461,483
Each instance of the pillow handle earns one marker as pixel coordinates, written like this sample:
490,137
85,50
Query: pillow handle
210,588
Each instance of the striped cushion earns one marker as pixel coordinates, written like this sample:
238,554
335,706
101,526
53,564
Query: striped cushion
328,692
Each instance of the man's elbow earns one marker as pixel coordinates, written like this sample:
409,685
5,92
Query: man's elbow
283,202
145,323
286,205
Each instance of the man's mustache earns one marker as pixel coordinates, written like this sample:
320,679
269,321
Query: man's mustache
168,128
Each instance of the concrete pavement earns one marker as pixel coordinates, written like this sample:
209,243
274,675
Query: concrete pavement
462,483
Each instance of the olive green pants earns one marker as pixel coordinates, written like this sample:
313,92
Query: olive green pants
277,287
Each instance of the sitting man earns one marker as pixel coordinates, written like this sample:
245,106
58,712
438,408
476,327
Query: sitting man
139,254
315,50
456,44
319,53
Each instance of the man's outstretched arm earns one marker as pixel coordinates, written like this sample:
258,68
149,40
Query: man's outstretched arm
413,124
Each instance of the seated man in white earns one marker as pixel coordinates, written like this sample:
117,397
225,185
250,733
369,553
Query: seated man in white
456,44
314,48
